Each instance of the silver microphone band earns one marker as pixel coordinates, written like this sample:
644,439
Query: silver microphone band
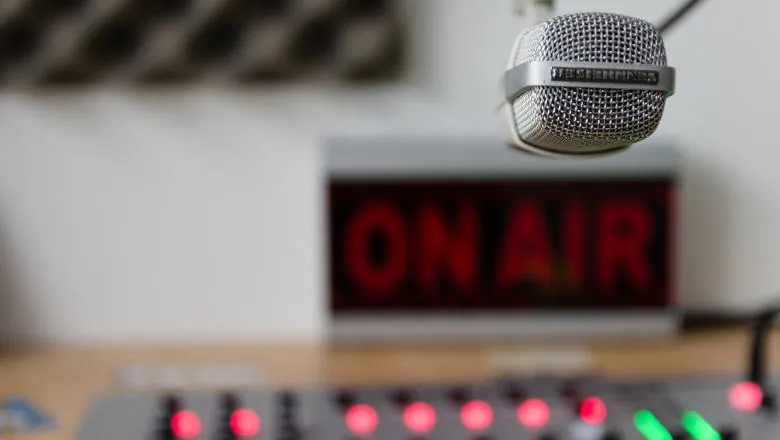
526,76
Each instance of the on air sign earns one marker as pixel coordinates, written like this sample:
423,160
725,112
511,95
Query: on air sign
459,245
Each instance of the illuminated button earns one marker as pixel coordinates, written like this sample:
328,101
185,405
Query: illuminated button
745,396
419,418
533,413
593,411
698,427
650,427
476,415
361,419
185,424
244,422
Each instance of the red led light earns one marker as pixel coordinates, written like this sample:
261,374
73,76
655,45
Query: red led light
533,413
745,396
476,415
185,424
361,419
419,417
593,411
244,423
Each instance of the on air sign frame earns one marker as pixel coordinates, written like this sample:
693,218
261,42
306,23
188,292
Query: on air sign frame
429,240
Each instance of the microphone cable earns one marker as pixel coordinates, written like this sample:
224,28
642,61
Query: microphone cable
762,323
758,363
678,15
539,10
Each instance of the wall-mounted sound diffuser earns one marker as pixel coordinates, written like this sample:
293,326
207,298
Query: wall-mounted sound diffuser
55,42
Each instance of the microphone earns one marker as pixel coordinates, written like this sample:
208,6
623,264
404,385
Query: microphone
585,85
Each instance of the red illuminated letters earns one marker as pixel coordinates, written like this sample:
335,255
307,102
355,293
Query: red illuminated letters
454,247
577,246
526,250
384,276
574,245
624,232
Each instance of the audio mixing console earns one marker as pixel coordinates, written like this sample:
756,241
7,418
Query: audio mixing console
723,407
700,408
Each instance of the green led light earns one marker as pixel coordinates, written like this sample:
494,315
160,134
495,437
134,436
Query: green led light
650,427
697,427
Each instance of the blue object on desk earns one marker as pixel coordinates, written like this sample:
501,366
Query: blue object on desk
19,414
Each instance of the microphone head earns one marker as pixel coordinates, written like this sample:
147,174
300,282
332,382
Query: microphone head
586,84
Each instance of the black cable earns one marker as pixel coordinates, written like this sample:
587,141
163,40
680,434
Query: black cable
678,15
762,323
757,367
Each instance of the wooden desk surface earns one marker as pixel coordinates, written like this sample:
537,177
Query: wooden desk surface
64,381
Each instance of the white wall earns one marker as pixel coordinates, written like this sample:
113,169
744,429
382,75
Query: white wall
189,215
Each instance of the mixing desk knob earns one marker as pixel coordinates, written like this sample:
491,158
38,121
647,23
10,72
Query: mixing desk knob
570,391
611,435
729,433
289,433
228,405
288,399
288,422
344,399
229,402
403,398
768,402
459,395
513,393
169,406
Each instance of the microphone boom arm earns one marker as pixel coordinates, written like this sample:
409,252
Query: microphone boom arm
537,9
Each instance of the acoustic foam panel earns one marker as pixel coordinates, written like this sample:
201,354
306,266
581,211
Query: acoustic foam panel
78,41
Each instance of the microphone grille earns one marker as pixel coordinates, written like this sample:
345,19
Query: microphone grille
583,120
